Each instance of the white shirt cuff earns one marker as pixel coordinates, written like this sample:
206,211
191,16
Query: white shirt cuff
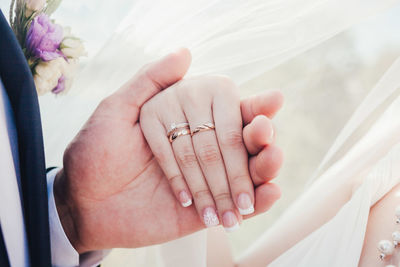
63,253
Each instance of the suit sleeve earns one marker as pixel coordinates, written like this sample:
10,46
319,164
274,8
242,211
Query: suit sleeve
63,253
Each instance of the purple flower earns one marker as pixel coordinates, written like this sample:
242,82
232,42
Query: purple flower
60,86
44,38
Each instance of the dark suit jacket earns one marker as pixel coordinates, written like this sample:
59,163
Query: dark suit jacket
20,88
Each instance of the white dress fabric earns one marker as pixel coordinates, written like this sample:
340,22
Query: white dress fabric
375,162
241,39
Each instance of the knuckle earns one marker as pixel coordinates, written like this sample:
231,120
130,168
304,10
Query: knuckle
232,138
202,194
222,196
225,84
186,157
150,110
224,81
209,154
240,179
192,94
175,179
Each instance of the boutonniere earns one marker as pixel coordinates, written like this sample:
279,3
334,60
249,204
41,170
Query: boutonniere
51,51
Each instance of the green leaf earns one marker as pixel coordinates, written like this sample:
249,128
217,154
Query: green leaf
52,6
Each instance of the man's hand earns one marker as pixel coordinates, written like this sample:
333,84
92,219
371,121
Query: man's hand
112,193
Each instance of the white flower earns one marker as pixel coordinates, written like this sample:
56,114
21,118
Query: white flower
33,6
47,74
72,47
69,69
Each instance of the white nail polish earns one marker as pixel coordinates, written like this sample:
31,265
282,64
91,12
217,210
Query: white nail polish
245,206
230,221
185,199
232,229
210,217
246,211
187,203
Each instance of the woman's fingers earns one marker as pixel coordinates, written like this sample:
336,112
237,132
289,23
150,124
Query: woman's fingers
177,159
266,164
155,134
267,104
208,153
258,134
184,155
228,123
187,161
212,166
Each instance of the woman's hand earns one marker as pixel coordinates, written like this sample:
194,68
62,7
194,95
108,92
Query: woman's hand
210,165
113,193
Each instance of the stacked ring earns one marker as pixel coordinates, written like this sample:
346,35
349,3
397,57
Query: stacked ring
182,129
204,127
178,133
175,127
177,130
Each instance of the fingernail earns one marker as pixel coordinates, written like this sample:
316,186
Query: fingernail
210,217
230,221
244,204
185,200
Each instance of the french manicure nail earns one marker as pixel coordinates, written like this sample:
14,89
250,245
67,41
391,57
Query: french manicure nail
210,217
230,221
185,200
244,204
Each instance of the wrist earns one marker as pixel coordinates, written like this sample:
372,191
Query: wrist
65,210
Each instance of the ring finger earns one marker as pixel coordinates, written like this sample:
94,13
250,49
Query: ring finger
187,161
209,156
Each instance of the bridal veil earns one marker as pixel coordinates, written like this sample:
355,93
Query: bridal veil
241,39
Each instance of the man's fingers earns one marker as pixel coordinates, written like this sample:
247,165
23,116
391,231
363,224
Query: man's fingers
266,165
266,104
154,77
258,134
266,195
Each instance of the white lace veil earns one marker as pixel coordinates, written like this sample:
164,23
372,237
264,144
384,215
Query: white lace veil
242,39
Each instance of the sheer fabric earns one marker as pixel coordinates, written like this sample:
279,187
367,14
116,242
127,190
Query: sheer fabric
372,167
241,39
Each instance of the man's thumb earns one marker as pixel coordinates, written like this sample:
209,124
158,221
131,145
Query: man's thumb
154,77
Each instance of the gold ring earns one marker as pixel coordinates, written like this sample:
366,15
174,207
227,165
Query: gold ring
175,127
176,133
204,127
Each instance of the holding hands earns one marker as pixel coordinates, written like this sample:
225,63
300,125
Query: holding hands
122,176
195,131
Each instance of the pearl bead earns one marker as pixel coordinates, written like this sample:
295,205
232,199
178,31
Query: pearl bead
390,265
386,247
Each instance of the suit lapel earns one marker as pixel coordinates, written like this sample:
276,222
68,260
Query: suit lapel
17,80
